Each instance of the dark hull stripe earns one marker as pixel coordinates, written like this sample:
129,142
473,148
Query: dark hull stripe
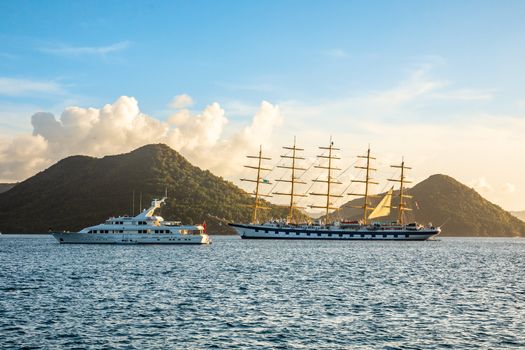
337,239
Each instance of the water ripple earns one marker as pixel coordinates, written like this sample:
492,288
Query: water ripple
455,293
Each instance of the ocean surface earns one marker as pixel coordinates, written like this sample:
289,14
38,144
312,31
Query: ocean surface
457,293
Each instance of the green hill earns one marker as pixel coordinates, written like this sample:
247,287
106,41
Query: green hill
519,214
441,199
80,191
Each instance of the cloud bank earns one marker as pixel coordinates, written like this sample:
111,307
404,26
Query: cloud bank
121,126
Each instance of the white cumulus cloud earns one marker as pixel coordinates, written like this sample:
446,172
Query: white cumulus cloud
121,127
181,101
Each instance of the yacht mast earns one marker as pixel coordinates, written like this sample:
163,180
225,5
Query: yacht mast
367,181
402,206
329,180
258,180
293,179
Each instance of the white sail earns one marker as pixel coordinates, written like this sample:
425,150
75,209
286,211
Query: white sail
383,208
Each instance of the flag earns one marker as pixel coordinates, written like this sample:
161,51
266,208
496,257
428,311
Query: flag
204,226
266,181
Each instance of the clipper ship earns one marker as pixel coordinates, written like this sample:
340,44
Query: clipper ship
144,228
364,229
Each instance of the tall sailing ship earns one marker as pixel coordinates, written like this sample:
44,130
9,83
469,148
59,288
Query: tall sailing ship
331,228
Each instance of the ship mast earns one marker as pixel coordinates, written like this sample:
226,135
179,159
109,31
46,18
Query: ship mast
329,180
258,180
402,206
293,180
367,181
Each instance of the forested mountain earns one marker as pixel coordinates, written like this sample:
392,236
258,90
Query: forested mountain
80,191
440,199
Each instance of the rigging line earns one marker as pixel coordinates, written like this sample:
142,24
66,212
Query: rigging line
348,168
283,173
307,169
268,174
301,199
279,162
387,184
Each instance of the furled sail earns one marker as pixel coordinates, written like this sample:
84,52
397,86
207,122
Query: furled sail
383,208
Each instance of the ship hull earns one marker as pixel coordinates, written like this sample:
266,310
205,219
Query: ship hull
247,231
90,238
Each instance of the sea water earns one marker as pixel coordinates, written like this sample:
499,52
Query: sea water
458,293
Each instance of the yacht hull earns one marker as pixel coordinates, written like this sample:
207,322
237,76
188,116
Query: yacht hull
247,231
90,238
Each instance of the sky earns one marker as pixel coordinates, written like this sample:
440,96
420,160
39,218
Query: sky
440,83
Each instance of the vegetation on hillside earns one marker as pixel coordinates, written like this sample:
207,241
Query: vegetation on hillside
80,191
440,199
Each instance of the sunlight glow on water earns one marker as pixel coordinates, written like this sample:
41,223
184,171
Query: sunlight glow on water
454,293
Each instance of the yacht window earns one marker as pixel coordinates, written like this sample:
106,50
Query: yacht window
318,235
329,235
121,231
297,233
340,235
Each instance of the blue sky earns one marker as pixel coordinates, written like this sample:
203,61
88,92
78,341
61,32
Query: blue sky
459,59
276,50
